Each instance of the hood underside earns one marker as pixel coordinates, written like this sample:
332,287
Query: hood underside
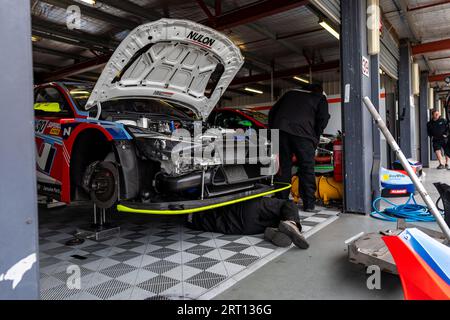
175,60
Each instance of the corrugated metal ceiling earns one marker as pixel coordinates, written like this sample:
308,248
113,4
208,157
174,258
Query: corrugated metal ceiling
428,21
298,27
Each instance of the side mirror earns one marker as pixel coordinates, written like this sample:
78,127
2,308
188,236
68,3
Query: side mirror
53,107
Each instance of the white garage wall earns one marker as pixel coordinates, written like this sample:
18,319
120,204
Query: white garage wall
334,108
330,88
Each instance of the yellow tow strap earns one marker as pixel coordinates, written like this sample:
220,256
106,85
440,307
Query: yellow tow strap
123,208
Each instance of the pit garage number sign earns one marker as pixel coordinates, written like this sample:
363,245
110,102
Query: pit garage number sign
365,66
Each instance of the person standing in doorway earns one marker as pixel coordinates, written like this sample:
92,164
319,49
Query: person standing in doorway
438,130
300,116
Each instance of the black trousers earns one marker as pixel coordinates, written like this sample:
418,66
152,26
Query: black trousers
248,217
304,149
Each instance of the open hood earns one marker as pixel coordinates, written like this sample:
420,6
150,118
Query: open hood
175,60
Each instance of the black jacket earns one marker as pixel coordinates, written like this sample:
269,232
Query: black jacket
300,113
437,129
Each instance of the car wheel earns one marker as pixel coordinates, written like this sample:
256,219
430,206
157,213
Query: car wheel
103,184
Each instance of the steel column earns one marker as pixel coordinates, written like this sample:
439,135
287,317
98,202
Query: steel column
404,99
356,120
376,137
423,111
19,274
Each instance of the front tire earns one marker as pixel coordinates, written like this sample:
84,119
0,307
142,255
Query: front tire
103,183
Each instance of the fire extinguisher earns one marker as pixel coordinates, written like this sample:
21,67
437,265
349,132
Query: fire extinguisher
338,159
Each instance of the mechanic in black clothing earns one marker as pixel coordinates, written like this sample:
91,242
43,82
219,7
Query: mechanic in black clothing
438,130
277,219
301,116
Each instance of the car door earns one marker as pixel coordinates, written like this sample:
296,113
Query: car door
50,108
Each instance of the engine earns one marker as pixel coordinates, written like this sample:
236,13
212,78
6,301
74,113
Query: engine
191,157
179,146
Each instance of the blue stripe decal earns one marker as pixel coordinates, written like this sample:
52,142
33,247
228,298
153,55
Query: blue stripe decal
117,130
49,139
434,253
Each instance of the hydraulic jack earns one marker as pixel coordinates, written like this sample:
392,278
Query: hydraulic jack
99,229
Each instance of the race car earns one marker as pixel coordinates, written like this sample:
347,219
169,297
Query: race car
245,118
248,118
138,139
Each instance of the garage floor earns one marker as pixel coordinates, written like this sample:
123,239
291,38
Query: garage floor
153,258
158,258
323,271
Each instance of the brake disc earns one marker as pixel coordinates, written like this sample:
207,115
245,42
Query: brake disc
104,184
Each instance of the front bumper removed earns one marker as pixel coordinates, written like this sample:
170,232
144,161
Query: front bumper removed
192,206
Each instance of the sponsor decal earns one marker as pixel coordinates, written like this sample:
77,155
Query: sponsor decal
67,132
200,38
45,156
40,125
394,177
55,131
400,191
54,125
48,188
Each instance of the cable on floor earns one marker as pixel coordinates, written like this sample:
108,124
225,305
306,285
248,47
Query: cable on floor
411,211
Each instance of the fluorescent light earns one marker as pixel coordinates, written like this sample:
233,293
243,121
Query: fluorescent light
91,2
327,27
301,79
253,90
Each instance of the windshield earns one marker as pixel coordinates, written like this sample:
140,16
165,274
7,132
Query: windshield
146,106
80,93
258,116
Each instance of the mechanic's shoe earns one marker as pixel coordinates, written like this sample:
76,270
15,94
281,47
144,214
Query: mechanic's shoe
277,238
441,166
310,208
290,229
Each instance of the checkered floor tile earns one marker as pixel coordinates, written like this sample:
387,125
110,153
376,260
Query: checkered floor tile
154,257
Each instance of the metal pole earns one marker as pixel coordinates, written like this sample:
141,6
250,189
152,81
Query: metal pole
95,214
423,193
203,183
271,86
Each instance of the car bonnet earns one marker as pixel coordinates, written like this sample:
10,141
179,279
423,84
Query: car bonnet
174,60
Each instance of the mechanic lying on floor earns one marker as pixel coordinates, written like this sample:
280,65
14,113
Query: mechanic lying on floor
278,219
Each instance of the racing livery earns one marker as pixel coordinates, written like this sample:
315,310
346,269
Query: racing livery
113,143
